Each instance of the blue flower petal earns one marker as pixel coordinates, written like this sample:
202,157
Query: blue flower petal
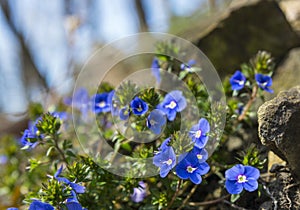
171,115
181,170
58,172
73,206
232,173
138,106
156,120
164,171
39,205
200,153
156,69
180,100
204,125
62,179
203,168
201,142
252,172
264,82
195,178
77,188
237,81
251,185
124,113
233,187
139,193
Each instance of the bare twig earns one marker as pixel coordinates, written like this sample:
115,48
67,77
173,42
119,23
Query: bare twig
250,102
233,205
206,203
175,194
188,197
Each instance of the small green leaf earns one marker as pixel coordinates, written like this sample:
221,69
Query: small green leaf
49,150
234,197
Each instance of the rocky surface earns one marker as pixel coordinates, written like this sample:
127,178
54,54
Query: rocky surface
287,73
283,190
291,9
279,127
258,26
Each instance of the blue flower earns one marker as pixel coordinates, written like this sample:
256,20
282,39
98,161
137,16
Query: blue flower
138,106
12,208
239,109
80,100
173,102
155,67
156,120
188,65
30,135
200,153
39,205
264,82
72,203
237,81
189,167
139,193
76,187
103,102
124,113
239,177
61,115
165,159
198,133
3,159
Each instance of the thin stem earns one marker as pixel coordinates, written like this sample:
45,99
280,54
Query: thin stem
188,197
233,205
175,194
250,102
58,149
205,203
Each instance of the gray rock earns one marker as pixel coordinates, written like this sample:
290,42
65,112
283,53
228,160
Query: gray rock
287,73
260,26
279,127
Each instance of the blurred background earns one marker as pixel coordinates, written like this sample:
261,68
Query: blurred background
43,44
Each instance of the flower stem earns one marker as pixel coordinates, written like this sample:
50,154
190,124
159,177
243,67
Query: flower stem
250,102
55,138
175,194
205,203
188,197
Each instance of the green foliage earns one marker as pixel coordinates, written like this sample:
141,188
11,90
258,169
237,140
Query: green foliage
251,156
105,190
48,124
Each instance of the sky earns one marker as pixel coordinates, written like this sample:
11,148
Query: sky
47,33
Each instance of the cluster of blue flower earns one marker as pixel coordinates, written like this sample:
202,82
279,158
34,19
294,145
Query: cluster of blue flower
71,203
30,137
238,81
191,165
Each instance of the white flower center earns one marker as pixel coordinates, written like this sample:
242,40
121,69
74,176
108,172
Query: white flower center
102,104
153,122
190,169
140,108
168,162
242,179
198,133
171,105
264,84
240,82
199,156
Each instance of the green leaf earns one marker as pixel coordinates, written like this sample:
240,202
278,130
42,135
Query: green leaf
49,150
234,197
